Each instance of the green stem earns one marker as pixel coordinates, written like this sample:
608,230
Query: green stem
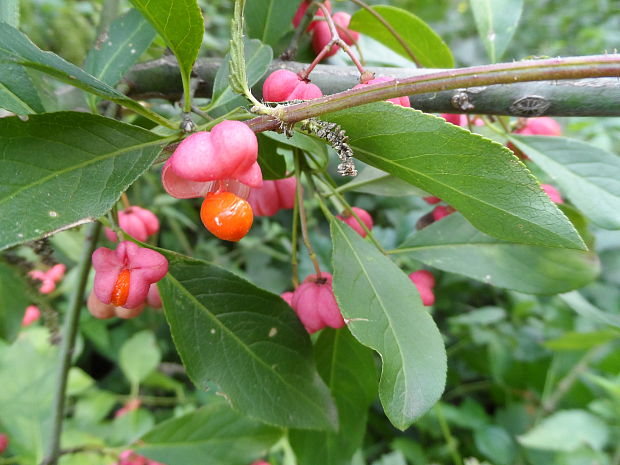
616,457
236,114
351,212
450,441
68,343
566,383
178,232
187,93
295,233
299,199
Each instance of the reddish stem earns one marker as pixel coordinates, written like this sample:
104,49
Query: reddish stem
502,73
335,40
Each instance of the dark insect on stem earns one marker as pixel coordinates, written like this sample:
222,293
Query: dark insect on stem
43,249
337,138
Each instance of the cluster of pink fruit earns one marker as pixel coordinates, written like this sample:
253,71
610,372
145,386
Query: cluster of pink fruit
321,34
314,301
315,304
48,280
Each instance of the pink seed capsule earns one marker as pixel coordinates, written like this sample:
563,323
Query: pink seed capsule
287,297
273,196
553,193
284,85
4,442
229,151
354,223
47,287
31,315
57,272
130,406
315,303
541,126
424,281
432,200
441,212
153,299
123,276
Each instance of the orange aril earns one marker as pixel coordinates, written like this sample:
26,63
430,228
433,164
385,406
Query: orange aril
226,215
121,289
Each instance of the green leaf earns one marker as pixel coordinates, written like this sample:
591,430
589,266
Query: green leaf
17,92
139,356
393,458
119,48
454,245
131,426
589,176
386,314
26,398
480,178
272,164
495,442
180,24
566,431
429,49
496,21
9,12
16,48
374,181
582,341
78,381
306,143
584,308
348,369
213,435
94,406
246,340
13,301
62,169
269,20
257,57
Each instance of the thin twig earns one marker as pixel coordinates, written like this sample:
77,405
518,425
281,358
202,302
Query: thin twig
392,31
295,231
68,343
566,383
450,441
335,40
349,210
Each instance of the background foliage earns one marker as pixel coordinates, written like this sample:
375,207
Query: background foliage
532,369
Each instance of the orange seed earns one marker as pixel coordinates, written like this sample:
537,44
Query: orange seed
226,215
